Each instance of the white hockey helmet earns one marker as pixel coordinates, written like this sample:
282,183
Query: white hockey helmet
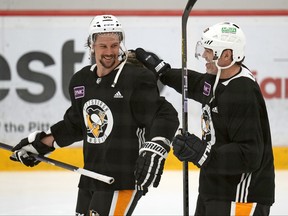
222,36
105,24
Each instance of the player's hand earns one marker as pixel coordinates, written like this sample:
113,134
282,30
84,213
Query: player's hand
189,147
152,61
150,164
32,144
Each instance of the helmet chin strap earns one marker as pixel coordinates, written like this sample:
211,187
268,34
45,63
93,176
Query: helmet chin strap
219,70
121,65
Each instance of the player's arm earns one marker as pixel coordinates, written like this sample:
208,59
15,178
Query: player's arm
243,153
38,142
160,118
242,150
44,143
61,134
170,76
69,130
152,155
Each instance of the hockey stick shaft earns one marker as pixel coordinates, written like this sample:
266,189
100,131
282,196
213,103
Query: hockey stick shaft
94,175
185,17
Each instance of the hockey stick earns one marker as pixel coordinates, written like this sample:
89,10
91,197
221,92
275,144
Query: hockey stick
97,176
185,17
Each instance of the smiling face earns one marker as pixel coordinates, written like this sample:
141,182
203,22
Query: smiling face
224,60
106,47
210,64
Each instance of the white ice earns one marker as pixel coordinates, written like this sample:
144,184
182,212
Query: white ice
54,193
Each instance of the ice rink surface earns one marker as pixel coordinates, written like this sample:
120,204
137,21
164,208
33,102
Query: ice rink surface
54,193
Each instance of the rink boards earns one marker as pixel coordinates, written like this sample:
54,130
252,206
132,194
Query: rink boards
74,156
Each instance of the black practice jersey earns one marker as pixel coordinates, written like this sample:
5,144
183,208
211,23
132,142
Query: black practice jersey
113,122
235,125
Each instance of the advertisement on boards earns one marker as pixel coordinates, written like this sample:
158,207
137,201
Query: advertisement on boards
39,55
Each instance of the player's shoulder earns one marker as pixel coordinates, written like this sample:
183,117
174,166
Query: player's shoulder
139,72
242,88
85,70
82,73
243,80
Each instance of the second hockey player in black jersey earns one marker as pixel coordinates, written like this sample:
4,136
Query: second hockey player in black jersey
235,152
125,125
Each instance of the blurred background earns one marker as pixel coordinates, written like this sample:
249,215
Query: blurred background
42,44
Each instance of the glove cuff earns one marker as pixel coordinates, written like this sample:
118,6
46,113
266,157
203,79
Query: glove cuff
32,136
38,145
162,68
202,148
157,148
43,149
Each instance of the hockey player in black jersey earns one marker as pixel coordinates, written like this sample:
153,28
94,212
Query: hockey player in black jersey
234,153
125,125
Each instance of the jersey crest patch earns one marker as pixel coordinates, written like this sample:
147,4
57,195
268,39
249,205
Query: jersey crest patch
98,120
208,132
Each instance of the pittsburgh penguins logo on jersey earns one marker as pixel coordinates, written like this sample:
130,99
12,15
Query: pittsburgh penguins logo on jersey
208,133
98,120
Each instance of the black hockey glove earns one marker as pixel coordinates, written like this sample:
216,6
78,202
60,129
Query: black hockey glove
189,147
31,144
150,164
152,62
